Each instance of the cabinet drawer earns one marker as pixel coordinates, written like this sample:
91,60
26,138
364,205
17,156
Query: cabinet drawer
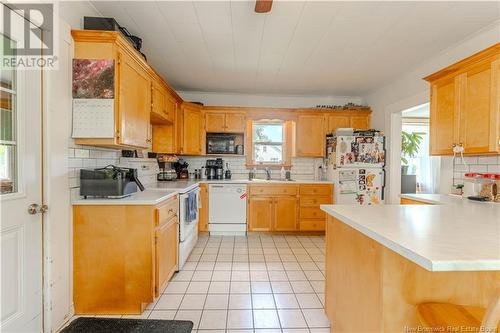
307,200
311,213
273,190
167,210
312,225
314,189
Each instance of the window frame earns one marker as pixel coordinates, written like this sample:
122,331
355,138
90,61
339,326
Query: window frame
286,144
21,85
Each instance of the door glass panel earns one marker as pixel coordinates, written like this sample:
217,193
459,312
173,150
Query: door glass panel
8,135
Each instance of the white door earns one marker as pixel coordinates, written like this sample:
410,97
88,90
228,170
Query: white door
20,181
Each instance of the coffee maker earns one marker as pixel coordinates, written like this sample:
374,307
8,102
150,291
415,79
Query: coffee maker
215,168
165,174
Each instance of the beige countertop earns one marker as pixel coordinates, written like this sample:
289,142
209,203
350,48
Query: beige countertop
159,191
453,234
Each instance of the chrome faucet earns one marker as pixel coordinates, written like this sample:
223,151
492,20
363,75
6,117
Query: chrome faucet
268,174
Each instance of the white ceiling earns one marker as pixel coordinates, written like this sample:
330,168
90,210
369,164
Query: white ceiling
304,48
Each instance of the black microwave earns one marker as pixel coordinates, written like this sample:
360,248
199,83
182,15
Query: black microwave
220,143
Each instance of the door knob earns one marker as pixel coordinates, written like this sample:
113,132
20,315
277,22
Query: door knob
34,208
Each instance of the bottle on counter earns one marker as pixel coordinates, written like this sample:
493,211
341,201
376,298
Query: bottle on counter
282,173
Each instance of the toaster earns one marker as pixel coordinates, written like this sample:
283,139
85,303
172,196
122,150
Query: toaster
109,182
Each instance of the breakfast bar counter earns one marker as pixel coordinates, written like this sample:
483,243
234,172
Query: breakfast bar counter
381,261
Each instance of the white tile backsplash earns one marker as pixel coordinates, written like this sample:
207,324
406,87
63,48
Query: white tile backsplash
89,157
481,164
81,157
302,168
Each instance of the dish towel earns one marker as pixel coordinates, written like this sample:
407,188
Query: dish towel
191,207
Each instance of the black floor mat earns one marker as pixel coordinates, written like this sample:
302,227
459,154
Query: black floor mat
115,325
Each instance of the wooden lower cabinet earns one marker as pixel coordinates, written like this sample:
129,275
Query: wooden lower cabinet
123,255
203,222
288,207
405,201
312,218
285,214
365,278
260,213
166,240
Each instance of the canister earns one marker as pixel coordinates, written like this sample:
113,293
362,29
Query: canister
472,184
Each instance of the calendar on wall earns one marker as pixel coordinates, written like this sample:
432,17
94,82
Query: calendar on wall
93,118
93,98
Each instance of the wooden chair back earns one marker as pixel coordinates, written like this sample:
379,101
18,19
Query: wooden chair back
492,316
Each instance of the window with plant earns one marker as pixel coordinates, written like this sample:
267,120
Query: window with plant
410,144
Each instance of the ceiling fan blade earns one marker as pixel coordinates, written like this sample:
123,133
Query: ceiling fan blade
263,6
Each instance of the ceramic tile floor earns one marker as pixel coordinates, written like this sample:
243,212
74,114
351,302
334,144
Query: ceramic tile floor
258,283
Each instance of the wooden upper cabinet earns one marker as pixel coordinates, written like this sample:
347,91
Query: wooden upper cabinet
235,122
337,121
134,103
444,116
170,107
220,122
465,105
310,135
193,131
285,214
360,122
479,108
215,122
260,215
141,96
163,105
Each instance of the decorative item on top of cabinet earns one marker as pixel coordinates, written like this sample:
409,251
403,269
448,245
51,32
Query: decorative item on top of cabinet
465,105
228,122
133,77
310,135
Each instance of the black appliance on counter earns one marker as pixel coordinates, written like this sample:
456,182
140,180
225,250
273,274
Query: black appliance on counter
181,168
109,182
221,143
215,168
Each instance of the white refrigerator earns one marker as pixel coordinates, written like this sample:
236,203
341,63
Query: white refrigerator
355,163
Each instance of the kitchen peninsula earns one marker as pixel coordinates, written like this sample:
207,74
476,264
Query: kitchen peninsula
381,261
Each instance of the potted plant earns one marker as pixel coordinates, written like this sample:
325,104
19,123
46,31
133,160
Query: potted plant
410,143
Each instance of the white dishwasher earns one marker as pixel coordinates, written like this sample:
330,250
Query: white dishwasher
227,209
